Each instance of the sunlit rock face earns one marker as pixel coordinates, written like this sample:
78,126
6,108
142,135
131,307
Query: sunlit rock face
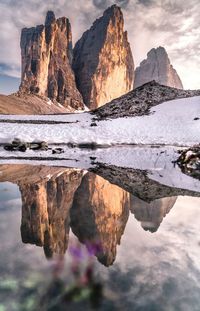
103,61
45,211
46,62
151,215
99,214
157,67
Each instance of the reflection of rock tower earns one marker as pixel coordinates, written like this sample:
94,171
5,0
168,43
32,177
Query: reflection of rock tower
45,211
151,214
103,61
99,214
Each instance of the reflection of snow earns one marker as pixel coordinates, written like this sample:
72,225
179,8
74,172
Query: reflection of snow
156,161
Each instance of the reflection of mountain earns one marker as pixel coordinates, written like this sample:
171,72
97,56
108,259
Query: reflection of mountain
47,195
97,208
138,183
99,214
45,211
151,214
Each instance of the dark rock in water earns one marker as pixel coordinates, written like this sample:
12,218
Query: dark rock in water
43,145
9,147
18,145
57,151
189,161
71,145
195,119
16,142
22,148
87,145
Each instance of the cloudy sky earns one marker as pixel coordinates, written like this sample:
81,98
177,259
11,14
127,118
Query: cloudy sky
173,24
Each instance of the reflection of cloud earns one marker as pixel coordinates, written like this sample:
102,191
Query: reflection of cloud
162,267
10,203
150,23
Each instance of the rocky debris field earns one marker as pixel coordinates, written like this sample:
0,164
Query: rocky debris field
139,101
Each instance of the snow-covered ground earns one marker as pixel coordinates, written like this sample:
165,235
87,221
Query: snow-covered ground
170,123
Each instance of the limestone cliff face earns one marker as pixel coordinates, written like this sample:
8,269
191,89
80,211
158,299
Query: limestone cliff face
151,214
99,214
157,67
46,62
45,211
103,61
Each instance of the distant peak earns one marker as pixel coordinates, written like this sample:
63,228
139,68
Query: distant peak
112,10
161,49
50,18
158,51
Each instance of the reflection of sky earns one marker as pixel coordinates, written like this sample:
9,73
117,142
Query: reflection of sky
15,257
152,272
8,191
161,271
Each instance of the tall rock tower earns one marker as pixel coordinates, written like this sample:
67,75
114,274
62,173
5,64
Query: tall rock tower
157,67
46,62
103,62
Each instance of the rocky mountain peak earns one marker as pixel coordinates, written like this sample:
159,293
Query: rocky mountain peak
113,11
157,67
103,61
46,62
50,18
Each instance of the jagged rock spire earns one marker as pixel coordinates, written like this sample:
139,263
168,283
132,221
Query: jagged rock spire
103,61
46,62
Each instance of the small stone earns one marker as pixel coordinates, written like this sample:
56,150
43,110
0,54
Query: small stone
71,145
8,147
57,151
16,142
22,148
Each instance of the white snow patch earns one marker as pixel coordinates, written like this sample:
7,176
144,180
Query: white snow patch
49,102
170,123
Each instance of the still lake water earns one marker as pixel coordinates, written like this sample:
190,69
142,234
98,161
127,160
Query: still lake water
144,254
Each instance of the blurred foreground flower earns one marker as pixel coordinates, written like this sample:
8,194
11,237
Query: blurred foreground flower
79,287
